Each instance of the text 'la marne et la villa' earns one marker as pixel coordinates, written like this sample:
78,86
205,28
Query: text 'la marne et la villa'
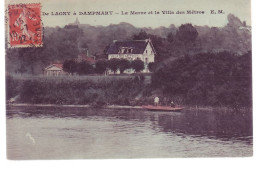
125,13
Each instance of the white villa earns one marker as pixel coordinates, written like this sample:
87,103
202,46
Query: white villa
132,50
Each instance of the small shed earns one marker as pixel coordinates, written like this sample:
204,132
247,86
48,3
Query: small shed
54,70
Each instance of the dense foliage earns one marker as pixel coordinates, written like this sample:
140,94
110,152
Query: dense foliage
75,90
208,79
84,68
169,42
221,79
123,65
198,65
137,65
101,66
113,64
80,68
70,66
188,35
151,66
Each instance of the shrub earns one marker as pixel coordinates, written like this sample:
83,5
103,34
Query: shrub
70,66
84,68
11,87
123,65
208,79
78,91
101,66
151,66
113,64
137,65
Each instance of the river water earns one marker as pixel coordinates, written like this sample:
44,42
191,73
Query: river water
78,133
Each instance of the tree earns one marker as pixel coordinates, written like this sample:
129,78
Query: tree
187,34
141,35
123,65
151,66
208,79
101,66
84,68
65,41
83,45
170,37
137,65
70,66
30,59
113,64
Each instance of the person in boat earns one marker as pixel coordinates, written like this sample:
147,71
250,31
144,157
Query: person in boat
172,104
156,101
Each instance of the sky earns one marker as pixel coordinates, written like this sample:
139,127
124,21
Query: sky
240,8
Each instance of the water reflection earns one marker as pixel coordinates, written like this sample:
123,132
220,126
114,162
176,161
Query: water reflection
216,124
212,124
119,132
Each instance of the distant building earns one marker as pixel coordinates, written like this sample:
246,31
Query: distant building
132,50
54,70
76,22
84,57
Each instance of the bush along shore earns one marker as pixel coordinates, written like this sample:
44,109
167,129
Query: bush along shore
203,80
70,91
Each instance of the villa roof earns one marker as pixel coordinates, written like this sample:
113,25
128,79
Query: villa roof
58,65
84,57
138,46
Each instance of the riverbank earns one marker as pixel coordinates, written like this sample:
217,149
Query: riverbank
99,91
186,108
74,106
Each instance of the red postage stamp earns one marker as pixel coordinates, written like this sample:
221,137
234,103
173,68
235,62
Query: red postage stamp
25,25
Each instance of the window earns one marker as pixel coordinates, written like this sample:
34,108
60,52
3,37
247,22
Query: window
146,60
129,50
122,50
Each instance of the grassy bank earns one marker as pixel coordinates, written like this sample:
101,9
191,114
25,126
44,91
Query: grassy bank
76,90
125,90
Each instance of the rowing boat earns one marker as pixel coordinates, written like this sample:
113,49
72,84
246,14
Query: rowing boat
163,108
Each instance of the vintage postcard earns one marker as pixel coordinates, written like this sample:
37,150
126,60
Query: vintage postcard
98,79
